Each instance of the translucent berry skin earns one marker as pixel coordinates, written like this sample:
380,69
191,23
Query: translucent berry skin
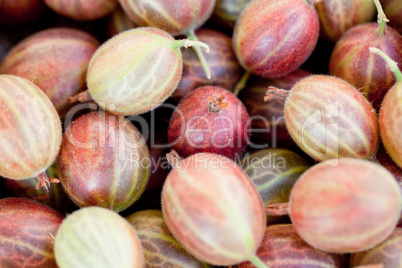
345,205
388,253
27,229
30,129
352,60
337,16
160,247
269,116
328,118
148,71
56,60
274,172
393,9
114,242
103,162
194,128
213,209
391,123
273,38
82,9
282,247
175,17
222,62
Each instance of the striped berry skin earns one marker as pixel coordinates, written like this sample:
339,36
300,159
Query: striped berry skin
337,16
213,209
30,129
328,118
27,230
175,17
195,128
391,123
82,9
282,247
273,38
103,162
388,253
352,61
393,9
135,71
345,205
225,70
161,249
97,237
274,171
56,60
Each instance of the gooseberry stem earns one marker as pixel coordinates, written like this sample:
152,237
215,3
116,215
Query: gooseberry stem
83,96
173,158
280,209
392,64
382,19
216,103
191,36
241,84
257,262
44,181
274,93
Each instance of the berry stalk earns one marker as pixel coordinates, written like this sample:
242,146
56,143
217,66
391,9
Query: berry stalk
191,36
392,64
382,19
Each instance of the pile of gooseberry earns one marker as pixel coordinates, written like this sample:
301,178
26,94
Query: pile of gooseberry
200,133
